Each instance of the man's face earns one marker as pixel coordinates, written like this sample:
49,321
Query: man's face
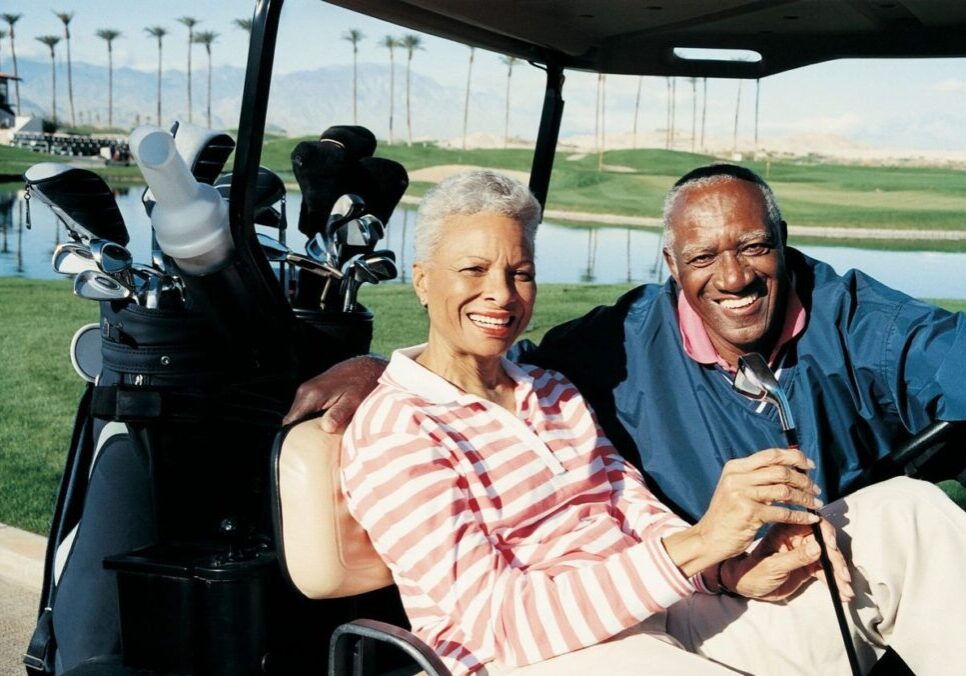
730,264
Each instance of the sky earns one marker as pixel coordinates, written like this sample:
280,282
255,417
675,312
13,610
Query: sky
903,104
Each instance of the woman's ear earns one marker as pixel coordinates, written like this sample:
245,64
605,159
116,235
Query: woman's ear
419,283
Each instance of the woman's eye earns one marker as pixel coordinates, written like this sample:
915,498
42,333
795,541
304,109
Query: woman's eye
473,270
524,275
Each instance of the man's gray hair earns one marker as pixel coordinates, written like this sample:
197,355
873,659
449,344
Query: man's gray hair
469,193
714,174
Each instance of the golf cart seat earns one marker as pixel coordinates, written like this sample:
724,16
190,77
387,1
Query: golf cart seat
324,552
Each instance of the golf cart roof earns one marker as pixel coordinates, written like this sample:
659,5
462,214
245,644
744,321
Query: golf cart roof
638,37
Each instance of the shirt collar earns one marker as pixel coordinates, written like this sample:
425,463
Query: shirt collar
406,374
698,346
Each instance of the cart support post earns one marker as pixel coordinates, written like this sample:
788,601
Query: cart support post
543,154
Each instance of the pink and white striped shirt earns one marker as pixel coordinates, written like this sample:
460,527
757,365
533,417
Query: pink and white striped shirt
512,538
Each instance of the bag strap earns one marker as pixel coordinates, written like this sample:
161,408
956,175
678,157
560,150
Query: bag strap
140,404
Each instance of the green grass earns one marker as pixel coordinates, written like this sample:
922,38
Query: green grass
41,389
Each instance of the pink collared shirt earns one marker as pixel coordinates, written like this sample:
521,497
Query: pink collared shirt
699,347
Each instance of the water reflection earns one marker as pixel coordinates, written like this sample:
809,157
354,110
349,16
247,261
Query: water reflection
605,255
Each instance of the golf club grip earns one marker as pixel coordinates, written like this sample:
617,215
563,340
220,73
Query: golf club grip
791,436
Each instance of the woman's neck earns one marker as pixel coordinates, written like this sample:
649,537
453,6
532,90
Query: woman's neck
480,376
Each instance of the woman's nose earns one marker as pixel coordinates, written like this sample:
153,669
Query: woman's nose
499,287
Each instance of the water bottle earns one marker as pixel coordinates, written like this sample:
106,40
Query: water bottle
189,218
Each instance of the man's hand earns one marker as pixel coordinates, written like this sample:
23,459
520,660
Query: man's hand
338,391
753,492
785,559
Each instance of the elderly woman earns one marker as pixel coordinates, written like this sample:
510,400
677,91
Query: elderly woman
520,541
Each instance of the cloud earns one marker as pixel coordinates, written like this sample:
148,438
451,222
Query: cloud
952,85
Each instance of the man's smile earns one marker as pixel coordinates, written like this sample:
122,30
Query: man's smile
738,303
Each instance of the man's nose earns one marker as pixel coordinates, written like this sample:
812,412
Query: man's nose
733,274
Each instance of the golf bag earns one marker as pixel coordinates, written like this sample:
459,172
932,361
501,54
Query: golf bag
161,529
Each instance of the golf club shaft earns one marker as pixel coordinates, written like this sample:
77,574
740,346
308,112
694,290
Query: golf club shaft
791,438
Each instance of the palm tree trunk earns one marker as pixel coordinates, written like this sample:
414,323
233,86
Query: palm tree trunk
190,42
637,110
597,118
466,103
704,110
674,102
694,112
667,121
392,91
734,138
506,115
209,87
110,86
16,82
757,101
53,88
159,82
355,81
70,85
409,111
603,131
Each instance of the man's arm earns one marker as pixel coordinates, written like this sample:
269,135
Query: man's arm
338,391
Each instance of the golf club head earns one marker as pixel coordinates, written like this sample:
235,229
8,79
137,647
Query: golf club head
204,150
374,229
80,198
317,249
319,169
71,258
274,250
357,141
269,188
382,264
111,257
381,183
99,286
755,379
347,207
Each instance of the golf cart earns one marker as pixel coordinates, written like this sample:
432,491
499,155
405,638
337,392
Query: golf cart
207,572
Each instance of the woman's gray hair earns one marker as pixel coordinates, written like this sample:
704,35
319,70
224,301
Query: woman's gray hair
719,173
469,193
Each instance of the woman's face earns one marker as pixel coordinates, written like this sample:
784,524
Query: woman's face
477,284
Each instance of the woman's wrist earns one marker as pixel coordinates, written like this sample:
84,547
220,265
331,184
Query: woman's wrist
721,578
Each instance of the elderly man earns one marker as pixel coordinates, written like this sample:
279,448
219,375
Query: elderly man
864,366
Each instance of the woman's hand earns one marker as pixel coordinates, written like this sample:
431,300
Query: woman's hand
746,496
786,558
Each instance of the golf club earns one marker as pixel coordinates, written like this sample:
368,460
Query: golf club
71,258
80,199
96,285
111,257
755,380
275,252
362,269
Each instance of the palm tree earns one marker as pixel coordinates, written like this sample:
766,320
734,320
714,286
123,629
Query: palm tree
244,24
158,32
757,101
410,43
51,42
601,104
509,62
390,43
637,110
704,110
189,22
674,103
355,37
206,38
694,111
667,126
109,35
734,138
65,18
11,19
466,104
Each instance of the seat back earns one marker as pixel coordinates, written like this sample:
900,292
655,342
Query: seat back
322,549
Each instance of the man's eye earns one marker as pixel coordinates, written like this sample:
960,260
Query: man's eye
523,275
759,249
702,260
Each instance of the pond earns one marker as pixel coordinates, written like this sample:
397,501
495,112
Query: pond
603,255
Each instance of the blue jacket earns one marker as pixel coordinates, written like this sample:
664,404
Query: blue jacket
872,367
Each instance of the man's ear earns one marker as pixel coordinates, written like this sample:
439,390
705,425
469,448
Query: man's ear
419,283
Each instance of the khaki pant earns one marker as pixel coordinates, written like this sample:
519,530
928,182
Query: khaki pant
906,542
